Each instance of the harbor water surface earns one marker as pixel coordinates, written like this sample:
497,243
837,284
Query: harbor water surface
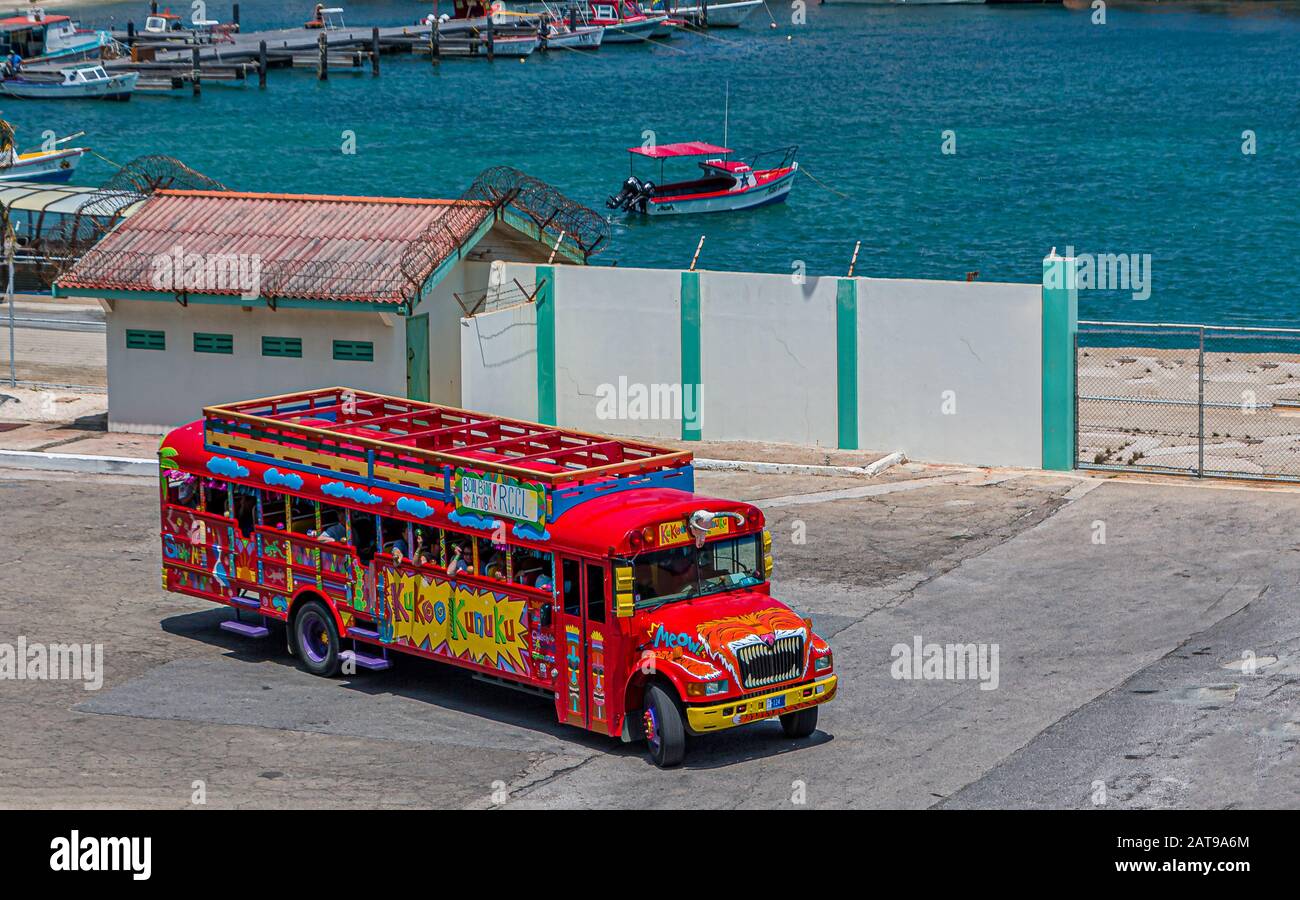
1123,138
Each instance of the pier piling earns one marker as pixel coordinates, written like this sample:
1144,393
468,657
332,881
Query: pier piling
234,16
261,64
323,59
195,78
491,40
374,51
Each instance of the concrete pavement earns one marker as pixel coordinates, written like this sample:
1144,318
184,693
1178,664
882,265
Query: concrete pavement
964,558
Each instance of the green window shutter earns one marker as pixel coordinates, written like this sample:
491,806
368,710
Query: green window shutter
213,343
137,339
354,351
282,346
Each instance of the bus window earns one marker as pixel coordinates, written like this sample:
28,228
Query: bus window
595,593
245,509
183,489
396,540
304,515
533,568
333,525
272,510
217,495
572,594
428,546
363,535
491,559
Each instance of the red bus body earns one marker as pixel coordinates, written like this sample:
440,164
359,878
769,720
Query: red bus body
591,505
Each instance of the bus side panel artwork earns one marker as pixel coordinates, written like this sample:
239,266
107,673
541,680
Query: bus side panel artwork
447,618
195,554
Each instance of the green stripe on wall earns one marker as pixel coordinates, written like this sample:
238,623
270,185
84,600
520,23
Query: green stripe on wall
1060,327
846,352
691,371
544,278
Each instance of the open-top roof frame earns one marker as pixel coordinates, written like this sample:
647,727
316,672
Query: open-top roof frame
419,432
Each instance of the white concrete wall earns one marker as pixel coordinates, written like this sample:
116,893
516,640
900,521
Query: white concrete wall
152,391
613,323
768,358
981,341
498,353
770,365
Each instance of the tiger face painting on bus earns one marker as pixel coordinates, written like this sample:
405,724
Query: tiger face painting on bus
580,567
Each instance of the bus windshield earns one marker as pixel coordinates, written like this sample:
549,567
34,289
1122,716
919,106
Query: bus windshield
683,572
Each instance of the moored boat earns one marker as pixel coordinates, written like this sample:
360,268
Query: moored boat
89,82
624,21
726,184
583,37
713,15
53,165
37,37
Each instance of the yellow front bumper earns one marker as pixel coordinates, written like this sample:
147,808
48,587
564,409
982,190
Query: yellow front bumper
731,713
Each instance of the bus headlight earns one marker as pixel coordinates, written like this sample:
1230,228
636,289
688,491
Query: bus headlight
707,689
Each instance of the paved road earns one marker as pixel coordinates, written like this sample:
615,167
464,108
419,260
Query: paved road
1110,663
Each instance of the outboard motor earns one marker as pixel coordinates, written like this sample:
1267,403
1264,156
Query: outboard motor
643,197
630,189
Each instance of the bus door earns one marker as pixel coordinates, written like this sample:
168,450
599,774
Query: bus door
583,628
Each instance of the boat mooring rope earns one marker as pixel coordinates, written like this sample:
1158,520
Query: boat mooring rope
823,184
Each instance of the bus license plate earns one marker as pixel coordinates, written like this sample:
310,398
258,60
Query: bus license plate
775,702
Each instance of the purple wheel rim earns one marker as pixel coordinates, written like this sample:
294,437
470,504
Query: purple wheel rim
311,637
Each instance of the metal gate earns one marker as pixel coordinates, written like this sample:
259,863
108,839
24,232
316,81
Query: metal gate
1201,400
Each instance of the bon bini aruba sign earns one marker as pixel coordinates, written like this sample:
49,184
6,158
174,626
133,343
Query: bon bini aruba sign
500,495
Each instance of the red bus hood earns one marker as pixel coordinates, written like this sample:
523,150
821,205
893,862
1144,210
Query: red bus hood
705,635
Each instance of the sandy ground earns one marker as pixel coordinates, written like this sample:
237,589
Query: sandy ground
1252,414
1115,665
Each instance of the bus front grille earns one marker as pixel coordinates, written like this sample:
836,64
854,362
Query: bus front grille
764,664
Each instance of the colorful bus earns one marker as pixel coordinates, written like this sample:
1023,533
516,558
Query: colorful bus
580,567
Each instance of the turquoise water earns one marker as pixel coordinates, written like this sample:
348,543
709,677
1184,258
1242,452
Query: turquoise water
1120,138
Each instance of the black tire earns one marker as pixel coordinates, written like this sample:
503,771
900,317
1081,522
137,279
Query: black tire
665,732
800,724
315,639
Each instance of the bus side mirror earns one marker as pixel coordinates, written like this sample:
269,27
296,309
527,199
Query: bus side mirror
624,599
546,615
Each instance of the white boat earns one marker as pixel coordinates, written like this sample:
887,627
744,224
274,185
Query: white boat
584,37
720,15
89,82
49,166
727,184
624,21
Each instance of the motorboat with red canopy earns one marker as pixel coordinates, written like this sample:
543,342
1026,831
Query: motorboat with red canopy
726,184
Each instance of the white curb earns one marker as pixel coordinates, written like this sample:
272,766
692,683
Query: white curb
771,468
76,462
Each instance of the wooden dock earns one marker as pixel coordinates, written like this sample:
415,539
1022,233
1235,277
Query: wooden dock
174,61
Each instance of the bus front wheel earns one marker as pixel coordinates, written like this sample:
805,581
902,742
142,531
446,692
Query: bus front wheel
316,638
665,733
800,724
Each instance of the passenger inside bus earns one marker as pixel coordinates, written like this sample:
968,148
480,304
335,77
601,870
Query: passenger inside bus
395,539
333,530
427,546
492,559
532,568
182,489
460,558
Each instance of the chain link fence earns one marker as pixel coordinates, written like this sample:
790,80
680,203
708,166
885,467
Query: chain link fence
1188,399
46,345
